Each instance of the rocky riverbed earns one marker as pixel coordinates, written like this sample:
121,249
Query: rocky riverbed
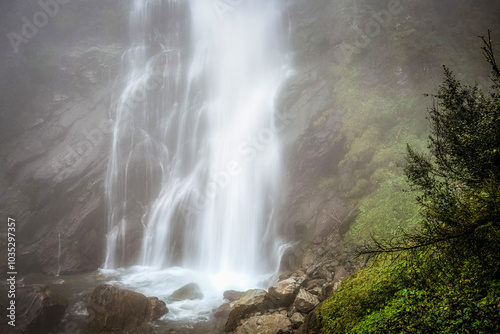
87,303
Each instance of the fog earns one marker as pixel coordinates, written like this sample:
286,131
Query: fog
149,144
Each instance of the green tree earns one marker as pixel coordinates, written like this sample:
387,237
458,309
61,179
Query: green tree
443,276
459,182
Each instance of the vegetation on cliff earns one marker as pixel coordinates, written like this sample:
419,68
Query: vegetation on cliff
442,275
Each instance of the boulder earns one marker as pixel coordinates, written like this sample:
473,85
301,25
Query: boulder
114,310
251,301
189,291
340,274
269,324
232,295
314,284
223,311
305,301
297,319
157,308
283,292
39,310
311,324
327,290
318,292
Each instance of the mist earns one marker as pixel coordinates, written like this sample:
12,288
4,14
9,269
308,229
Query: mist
224,157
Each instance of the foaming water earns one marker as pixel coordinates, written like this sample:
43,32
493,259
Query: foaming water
162,283
194,173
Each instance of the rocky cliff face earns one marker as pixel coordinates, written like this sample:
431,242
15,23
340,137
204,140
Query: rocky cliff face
314,215
356,101
57,90
349,110
55,136
56,125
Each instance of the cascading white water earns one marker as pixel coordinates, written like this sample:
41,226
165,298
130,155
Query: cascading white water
195,165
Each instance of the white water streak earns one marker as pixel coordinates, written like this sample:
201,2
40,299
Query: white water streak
195,165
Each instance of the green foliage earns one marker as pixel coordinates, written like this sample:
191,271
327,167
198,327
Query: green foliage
459,181
455,308
443,275
366,291
386,211
382,299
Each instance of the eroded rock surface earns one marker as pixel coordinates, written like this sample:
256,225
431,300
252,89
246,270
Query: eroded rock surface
283,292
112,309
39,309
305,301
251,301
189,291
265,324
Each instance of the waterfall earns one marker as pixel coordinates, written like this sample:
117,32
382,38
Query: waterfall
195,167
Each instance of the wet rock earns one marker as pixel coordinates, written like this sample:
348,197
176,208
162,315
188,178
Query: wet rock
318,292
283,292
251,301
114,310
340,274
38,309
327,290
189,291
157,308
269,324
305,301
311,322
315,283
297,319
232,295
223,311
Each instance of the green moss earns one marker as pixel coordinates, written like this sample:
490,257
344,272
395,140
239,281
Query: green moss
327,182
361,187
453,308
384,212
376,300
367,290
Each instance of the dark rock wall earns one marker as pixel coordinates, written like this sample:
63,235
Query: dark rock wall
57,90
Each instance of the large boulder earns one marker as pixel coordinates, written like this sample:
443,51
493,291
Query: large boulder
283,292
251,301
39,310
189,291
297,319
112,309
232,295
310,325
156,309
268,324
305,301
223,311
